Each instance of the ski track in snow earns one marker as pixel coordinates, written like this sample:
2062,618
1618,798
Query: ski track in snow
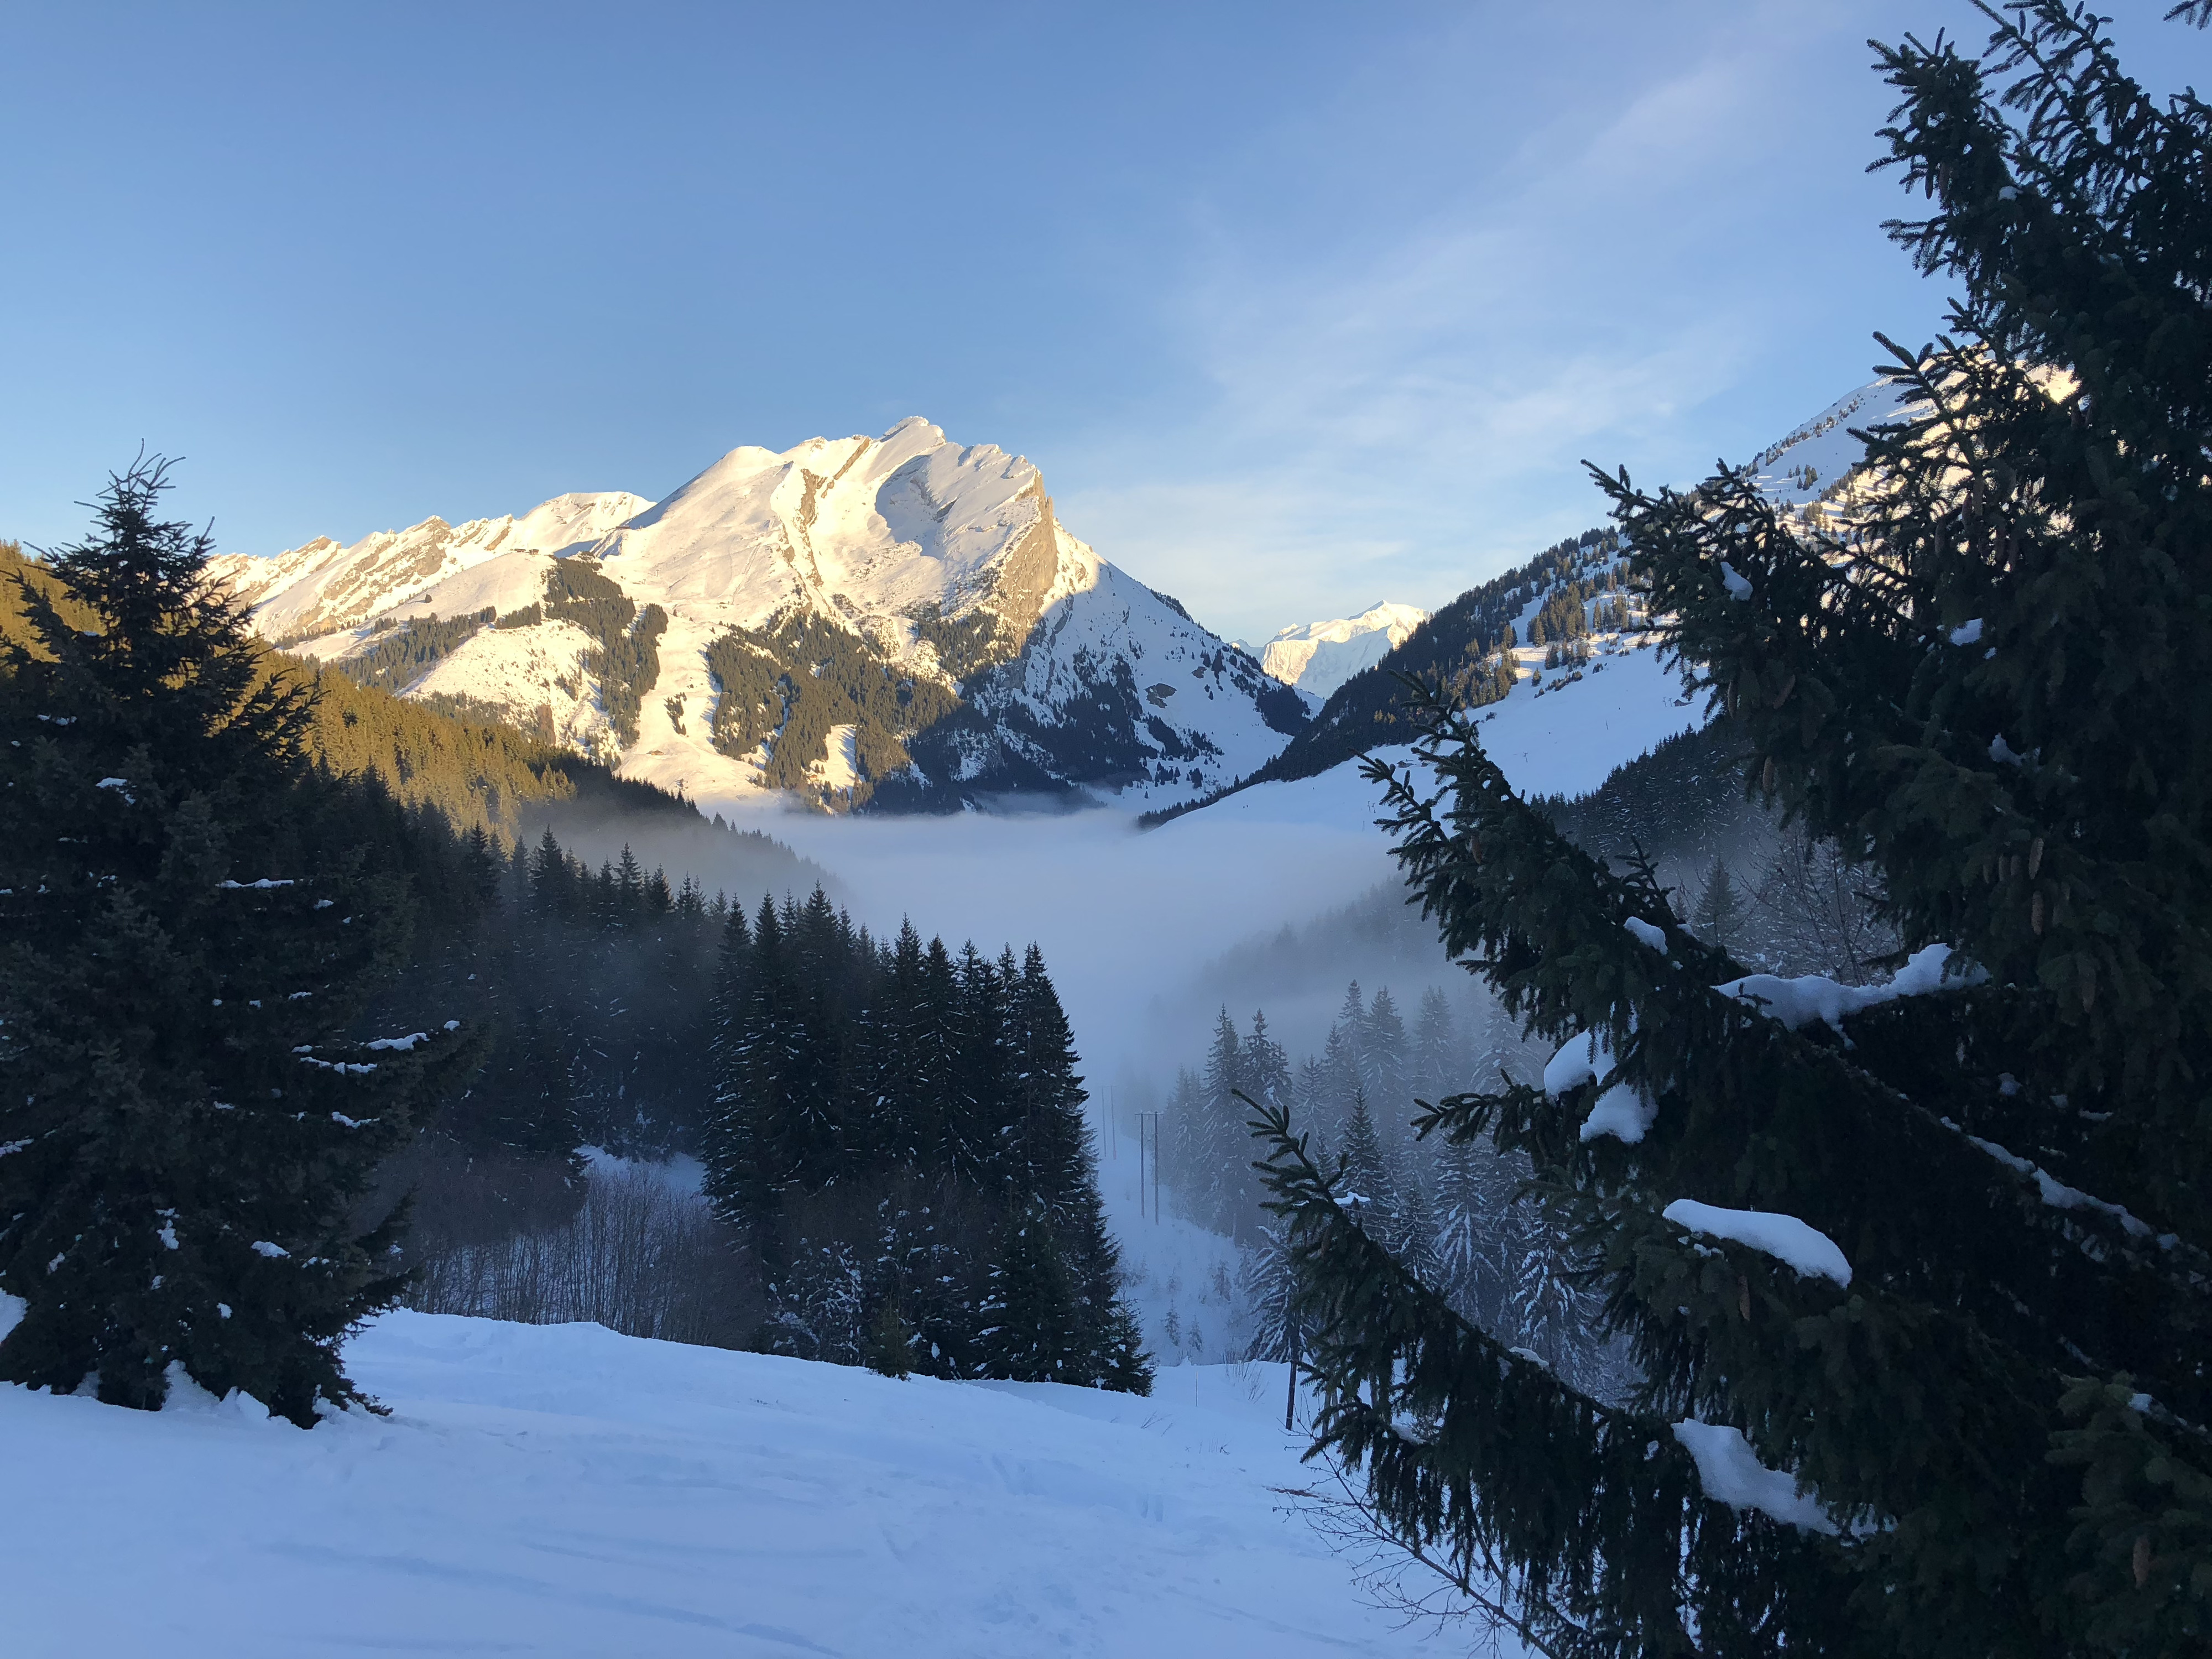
562,1490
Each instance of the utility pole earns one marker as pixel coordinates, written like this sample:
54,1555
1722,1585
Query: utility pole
1291,1399
1155,1118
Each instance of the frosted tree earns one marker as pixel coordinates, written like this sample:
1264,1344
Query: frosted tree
1717,909
1463,1228
1435,1065
1545,1304
1188,1151
1269,1290
1365,1175
1385,1071
1346,1051
1266,1073
1413,1233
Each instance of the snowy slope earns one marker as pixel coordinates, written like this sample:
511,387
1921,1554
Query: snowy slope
1563,730
1554,735
565,1490
1318,657
932,562
1814,461
323,587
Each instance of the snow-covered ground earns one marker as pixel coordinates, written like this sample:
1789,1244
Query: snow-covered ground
561,1490
1820,453
1568,741
1561,741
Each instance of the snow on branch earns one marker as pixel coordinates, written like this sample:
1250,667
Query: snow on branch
1732,1474
1785,1237
1622,1111
2060,1196
1798,1002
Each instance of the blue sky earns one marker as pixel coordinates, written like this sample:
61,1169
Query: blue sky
1296,306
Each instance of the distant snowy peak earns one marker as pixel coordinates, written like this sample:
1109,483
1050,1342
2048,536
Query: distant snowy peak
850,526
1318,657
899,621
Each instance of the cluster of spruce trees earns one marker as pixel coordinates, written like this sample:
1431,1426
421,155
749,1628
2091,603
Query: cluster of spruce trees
898,1133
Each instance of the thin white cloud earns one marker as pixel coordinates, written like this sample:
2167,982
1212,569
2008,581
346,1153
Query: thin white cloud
1405,419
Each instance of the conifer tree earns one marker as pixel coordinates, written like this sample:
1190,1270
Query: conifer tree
185,932
1219,1175
1266,1068
897,1129
1061,1177
1269,1283
1129,1366
1186,1155
890,1341
1365,1173
1940,1254
1716,910
1436,1059
901,1069
1414,1236
1389,1084
1462,1228
529,1109
1030,1327
982,1070
1350,1042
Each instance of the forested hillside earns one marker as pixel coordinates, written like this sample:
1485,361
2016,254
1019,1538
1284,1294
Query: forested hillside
475,770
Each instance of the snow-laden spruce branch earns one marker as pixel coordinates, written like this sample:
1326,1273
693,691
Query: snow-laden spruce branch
1438,1417
1588,902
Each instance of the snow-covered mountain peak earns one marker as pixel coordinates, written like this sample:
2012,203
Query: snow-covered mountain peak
1318,657
902,618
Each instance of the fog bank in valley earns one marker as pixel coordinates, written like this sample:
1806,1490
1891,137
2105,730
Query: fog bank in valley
1129,921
